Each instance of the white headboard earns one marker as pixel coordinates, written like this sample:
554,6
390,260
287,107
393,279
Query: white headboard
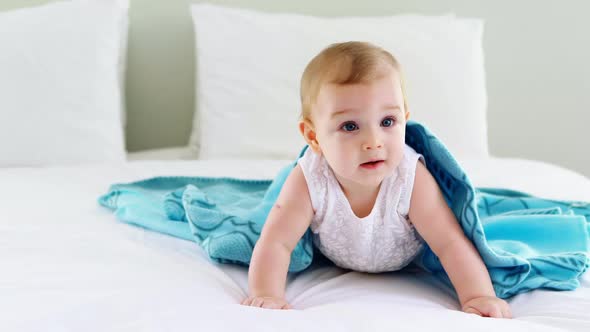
538,73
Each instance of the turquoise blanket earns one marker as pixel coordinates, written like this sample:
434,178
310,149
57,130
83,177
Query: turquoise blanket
526,242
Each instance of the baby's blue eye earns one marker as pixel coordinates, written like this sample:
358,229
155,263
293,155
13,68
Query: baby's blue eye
349,126
387,122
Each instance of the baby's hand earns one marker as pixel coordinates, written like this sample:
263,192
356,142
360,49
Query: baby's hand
266,302
488,306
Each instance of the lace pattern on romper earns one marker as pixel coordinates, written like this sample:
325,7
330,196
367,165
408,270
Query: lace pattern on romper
384,240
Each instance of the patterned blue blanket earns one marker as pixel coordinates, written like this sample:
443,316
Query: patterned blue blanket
526,242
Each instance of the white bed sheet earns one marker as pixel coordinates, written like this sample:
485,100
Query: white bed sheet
68,264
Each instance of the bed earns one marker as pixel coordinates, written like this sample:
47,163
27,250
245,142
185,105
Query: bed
68,264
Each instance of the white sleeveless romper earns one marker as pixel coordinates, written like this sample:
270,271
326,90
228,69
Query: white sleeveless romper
384,240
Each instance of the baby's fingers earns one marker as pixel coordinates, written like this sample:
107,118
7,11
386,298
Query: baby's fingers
506,312
266,303
252,301
276,304
270,304
247,301
257,302
495,312
472,310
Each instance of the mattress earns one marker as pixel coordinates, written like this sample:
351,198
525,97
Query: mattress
68,264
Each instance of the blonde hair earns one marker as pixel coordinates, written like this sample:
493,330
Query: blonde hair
344,63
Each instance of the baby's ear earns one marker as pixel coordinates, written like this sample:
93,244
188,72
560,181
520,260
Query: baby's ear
307,130
407,115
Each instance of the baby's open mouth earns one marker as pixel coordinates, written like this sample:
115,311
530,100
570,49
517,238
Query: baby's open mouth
372,164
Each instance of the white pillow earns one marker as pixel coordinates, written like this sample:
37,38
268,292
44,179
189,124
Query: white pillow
249,65
61,83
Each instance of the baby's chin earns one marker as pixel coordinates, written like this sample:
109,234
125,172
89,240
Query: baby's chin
372,178
365,176
384,173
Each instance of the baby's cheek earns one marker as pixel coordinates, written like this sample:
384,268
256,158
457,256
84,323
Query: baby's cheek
342,165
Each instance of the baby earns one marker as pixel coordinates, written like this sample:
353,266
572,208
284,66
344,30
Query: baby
367,196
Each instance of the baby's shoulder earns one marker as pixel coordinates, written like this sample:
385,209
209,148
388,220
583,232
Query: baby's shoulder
313,167
410,152
411,160
311,161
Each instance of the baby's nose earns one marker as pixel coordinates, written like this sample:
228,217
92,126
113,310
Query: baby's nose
372,146
372,143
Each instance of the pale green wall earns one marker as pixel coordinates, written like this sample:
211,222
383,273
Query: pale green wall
537,52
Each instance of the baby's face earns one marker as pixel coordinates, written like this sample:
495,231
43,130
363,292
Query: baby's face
360,129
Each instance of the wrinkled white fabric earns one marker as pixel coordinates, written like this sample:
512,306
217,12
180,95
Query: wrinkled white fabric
382,241
59,275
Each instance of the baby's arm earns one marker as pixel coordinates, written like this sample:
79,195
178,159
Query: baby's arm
285,225
437,224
